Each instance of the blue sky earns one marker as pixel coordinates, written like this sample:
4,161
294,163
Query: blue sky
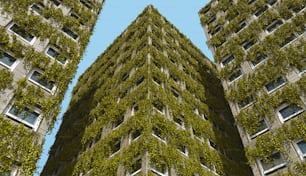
114,18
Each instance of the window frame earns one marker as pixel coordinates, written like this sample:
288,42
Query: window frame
254,65
227,57
236,78
58,52
20,120
282,107
258,133
51,91
21,37
274,168
272,24
40,7
274,82
13,66
299,151
65,30
154,169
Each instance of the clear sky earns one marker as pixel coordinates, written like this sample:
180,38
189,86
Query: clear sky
114,18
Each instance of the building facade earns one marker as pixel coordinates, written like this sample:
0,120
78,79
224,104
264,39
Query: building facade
151,104
41,43
259,48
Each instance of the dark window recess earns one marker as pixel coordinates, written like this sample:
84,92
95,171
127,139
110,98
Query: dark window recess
298,8
74,15
212,144
156,45
136,166
156,64
261,11
70,33
290,111
182,148
275,84
212,19
140,80
159,106
56,2
203,161
141,46
36,76
272,2
135,107
228,60
116,146
261,127
87,3
174,78
249,44
206,9
246,102
288,40
175,92
172,60
235,75
21,32
37,8
125,77
274,25
157,132
179,120
156,80
7,59
259,59
242,25
217,29
135,134
161,167
118,121
251,1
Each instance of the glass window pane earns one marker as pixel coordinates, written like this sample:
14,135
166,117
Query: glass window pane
302,146
21,32
289,111
274,161
275,84
7,59
25,114
36,77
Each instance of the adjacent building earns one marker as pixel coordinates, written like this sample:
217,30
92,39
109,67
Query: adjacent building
41,43
151,104
259,48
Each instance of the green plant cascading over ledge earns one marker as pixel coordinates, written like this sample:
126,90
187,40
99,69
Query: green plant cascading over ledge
129,75
280,59
46,27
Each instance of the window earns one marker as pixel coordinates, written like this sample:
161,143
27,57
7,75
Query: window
212,19
115,147
87,3
236,75
289,111
118,121
217,29
156,132
159,106
183,149
298,8
26,36
135,168
175,92
251,1
159,168
125,77
56,2
135,134
8,60
70,33
272,2
301,146
271,86
212,144
260,129
25,116
261,11
242,25
206,9
156,80
135,108
259,60
42,82
246,102
249,44
54,53
227,60
179,120
288,40
274,25
37,8
140,80
275,162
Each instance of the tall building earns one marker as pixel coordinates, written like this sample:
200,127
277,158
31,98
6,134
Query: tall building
41,43
259,48
149,105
